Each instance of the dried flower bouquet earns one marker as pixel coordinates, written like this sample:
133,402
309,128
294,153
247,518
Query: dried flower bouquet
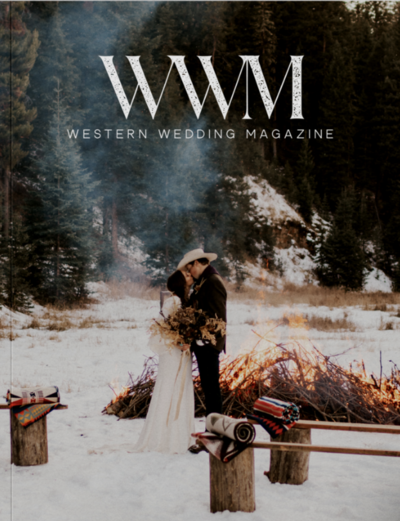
187,324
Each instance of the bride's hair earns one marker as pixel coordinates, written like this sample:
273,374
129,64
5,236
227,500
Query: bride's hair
176,283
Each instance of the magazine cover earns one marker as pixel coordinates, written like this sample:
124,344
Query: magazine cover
199,260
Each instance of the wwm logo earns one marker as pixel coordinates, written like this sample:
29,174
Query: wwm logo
249,62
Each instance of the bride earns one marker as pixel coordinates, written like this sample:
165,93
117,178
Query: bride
170,418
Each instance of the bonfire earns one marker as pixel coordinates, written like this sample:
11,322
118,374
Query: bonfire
293,371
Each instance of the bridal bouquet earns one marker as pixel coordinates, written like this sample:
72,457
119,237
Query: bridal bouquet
184,325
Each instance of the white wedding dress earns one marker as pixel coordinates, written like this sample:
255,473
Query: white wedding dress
170,418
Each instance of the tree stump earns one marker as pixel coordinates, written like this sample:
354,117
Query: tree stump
290,467
28,444
232,484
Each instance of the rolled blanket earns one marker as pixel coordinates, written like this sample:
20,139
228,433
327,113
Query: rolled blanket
18,397
275,416
237,430
221,447
226,437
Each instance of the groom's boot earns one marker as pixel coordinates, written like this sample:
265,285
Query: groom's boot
199,447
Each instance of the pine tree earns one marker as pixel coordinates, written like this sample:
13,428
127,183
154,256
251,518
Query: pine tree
388,123
59,218
18,51
335,162
251,31
341,260
288,184
325,211
119,166
55,64
305,181
367,70
14,264
3,261
396,277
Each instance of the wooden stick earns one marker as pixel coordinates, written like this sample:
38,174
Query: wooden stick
4,406
320,448
342,426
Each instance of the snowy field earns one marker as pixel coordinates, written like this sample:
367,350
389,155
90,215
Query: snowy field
92,472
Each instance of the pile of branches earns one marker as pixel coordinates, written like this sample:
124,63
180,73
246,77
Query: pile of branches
135,400
324,390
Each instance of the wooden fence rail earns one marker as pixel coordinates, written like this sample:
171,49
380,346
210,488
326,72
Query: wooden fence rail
300,447
355,427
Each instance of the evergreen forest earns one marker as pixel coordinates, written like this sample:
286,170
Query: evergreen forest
72,209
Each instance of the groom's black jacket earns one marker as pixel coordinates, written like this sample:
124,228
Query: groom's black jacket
209,295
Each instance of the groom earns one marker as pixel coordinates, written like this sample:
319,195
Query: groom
209,295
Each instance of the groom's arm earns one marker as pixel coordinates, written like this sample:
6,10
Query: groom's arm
212,299
216,300
215,296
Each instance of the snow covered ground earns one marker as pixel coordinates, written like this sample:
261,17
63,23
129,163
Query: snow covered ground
92,472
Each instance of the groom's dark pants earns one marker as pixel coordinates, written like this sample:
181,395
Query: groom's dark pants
208,363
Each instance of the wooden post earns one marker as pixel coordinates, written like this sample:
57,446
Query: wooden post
232,484
28,444
290,467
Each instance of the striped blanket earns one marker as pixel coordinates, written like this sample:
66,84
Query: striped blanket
274,415
18,397
226,437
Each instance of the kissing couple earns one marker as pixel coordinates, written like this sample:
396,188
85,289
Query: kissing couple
170,418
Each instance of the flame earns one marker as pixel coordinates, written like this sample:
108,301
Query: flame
264,343
119,392
385,389
261,344
264,348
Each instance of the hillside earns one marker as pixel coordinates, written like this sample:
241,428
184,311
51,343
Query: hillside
295,243
294,249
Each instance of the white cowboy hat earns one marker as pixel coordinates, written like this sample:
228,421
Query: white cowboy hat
193,255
